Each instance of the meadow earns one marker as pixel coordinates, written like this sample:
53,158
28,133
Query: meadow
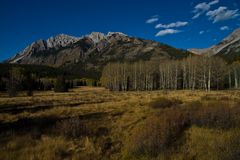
92,123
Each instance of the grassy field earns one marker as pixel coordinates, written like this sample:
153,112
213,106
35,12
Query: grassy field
94,123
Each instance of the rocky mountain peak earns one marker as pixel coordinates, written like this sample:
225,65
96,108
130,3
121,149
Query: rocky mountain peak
55,42
236,33
228,41
36,46
61,40
234,36
96,36
116,33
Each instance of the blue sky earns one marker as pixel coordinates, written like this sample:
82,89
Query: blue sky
180,23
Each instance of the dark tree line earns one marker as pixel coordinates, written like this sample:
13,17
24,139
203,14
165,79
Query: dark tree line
21,78
192,73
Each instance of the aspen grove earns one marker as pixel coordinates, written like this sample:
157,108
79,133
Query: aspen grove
197,72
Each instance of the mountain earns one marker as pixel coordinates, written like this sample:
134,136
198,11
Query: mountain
40,46
91,52
228,48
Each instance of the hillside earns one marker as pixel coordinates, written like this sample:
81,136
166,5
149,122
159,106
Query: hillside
228,48
88,54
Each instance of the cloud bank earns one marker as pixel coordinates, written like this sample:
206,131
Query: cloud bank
222,14
202,8
167,32
172,25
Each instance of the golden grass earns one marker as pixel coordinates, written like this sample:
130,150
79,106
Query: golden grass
119,112
214,144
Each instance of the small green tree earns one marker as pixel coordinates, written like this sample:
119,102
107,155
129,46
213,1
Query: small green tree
14,81
61,85
30,81
2,84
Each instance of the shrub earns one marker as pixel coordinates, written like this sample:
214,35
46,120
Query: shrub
47,85
158,133
61,85
212,144
29,80
208,97
102,131
72,128
2,84
216,115
165,103
161,134
193,105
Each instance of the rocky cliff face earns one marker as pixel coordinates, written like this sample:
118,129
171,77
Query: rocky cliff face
96,37
61,40
229,48
42,46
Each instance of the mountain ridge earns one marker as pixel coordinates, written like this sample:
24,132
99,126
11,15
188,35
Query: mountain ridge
93,42
89,54
57,42
223,48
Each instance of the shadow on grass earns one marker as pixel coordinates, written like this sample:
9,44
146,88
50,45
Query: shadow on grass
19,108
43,124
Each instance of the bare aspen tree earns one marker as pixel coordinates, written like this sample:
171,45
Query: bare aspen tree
219,72
236,71
184,70
135,76
191,73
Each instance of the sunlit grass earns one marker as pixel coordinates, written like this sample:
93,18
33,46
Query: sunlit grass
115,121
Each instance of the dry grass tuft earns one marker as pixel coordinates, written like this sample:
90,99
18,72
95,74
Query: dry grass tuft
72,128
164,103
158,133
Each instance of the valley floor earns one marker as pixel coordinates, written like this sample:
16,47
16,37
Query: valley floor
94,123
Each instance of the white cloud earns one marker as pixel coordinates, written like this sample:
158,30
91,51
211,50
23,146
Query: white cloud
202,8
222,14
172,25
152,19
201,32
166,32
224,28
214,2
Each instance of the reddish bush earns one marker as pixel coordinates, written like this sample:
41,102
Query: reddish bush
158,133
165,103
216,115
72,128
